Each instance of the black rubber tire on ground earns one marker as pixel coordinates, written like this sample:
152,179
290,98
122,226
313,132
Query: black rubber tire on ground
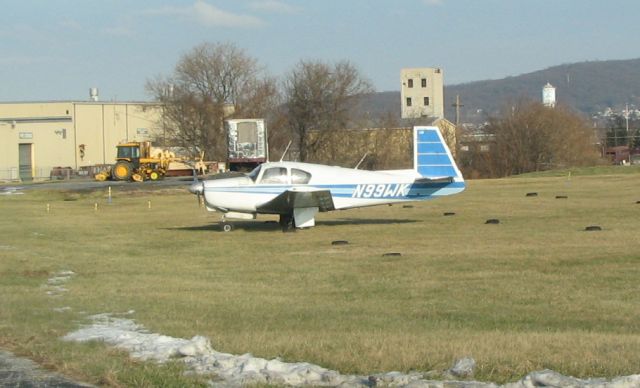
287,222
122,171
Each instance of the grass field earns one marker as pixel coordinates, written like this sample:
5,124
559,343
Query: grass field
535,291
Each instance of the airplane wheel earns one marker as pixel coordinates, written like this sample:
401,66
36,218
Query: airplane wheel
287,222
227,227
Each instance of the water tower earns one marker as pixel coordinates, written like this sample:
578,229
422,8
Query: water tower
93,94
549,95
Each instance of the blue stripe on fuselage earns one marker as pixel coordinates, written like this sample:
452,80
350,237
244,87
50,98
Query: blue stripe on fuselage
413,191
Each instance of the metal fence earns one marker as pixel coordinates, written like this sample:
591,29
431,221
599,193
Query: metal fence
13,174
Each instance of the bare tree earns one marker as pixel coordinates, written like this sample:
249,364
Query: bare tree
320,96
531,137
212,82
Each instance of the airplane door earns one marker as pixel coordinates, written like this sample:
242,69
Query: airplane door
25,161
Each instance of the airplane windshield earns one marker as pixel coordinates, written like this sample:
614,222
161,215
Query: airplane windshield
254,173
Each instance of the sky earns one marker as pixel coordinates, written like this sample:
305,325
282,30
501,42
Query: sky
58,49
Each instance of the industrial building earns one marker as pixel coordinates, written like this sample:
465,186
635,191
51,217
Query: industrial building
422,93
38,139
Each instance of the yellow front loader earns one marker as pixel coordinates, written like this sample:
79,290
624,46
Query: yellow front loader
135,161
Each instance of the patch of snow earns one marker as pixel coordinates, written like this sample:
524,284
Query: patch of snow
237,371
54,285
11,191
56,290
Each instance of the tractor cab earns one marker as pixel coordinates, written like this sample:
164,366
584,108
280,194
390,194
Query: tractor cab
128,151
132,152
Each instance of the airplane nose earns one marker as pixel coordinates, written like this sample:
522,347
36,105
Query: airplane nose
196,188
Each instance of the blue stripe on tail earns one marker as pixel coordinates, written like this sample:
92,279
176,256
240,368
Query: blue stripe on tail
432,156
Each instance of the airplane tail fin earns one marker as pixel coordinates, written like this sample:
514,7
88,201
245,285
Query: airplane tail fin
432,159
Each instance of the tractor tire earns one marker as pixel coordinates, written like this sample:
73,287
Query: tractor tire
122,171
154,175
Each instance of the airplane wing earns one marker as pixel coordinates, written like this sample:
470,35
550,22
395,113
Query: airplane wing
292,199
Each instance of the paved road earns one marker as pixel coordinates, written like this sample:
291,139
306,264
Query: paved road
90,184
24,373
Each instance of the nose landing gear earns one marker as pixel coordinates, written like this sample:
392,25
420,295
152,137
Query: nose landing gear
224,225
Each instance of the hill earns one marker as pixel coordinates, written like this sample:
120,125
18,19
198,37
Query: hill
589,87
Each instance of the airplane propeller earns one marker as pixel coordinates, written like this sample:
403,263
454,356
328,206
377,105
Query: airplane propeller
197,187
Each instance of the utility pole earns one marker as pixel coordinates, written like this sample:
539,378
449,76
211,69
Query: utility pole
626,118
457,105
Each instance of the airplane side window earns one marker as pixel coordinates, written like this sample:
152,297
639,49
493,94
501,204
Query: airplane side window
299,177
277,175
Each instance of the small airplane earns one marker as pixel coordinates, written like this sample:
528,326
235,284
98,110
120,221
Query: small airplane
298,191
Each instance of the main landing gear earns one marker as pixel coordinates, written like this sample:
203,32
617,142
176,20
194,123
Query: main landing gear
287,222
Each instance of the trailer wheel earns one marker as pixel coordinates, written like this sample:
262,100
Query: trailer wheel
226,227
122,170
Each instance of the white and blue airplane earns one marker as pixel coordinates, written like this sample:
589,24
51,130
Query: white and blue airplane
298,191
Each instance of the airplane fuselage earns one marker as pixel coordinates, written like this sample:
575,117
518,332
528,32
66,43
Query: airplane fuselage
349,188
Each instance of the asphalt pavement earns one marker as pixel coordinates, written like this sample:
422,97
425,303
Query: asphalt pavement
80,184
24,373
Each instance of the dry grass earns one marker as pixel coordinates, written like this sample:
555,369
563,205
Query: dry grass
535,291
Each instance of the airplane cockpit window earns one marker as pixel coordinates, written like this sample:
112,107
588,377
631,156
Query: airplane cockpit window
299,177
254,173
277,175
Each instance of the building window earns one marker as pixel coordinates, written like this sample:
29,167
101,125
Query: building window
410,82
424,82
408,101
426,101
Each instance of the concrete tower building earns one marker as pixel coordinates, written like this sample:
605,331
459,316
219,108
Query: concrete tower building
422,94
